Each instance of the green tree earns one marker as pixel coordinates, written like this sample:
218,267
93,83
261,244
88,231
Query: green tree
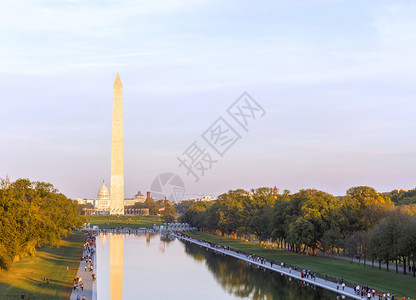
302,232
261,223
195,215
384,238
363,207
168,214
32,214
407,243
331,239
183,206
318,209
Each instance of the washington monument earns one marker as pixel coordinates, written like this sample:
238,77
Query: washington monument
117,161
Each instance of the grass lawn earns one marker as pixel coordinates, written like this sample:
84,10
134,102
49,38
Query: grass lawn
401,285
26,276
111,222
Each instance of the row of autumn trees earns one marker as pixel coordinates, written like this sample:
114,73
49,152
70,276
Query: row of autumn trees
33,214
363,223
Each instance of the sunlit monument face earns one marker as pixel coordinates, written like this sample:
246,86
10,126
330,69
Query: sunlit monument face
117,161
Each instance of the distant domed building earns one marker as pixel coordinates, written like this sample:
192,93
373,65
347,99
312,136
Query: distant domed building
139,197
103,200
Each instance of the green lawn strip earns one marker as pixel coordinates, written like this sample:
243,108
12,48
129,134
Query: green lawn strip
401,285
26,276
111,222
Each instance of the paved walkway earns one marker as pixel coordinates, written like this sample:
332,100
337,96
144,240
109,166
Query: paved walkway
90,286
328,285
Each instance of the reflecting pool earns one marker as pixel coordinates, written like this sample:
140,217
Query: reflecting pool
148,266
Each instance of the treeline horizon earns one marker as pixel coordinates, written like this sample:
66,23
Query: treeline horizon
364,223
33,214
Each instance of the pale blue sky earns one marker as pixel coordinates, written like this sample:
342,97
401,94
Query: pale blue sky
336,78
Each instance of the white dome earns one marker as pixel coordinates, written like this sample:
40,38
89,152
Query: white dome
103,192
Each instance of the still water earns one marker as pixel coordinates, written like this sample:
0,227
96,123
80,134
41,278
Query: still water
151,267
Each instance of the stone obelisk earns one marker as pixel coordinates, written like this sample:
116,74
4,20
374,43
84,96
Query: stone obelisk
117,161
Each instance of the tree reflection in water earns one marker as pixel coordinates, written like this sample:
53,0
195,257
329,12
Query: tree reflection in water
248,281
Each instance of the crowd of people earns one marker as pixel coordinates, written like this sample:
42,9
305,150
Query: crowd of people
88,258
363,291
308,274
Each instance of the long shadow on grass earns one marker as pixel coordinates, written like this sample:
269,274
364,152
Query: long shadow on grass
36,290
12,292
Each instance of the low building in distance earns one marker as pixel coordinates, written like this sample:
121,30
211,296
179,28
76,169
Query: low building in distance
204,198
102,203
139,197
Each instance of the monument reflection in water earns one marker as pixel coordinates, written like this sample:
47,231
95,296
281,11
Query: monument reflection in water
159,268
110,258
116,266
